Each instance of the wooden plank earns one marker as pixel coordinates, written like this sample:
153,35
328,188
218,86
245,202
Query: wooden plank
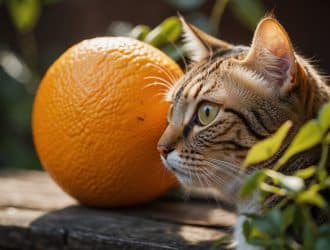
78,227
28,189
31,189
35,213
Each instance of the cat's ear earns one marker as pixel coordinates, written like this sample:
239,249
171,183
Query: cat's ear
272,54
198,44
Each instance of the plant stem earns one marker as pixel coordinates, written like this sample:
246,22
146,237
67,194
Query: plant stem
323,161
29,51
324,155
216,15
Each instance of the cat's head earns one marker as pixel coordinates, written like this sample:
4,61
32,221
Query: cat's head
230,98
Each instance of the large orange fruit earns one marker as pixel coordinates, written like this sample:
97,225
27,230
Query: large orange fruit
96,121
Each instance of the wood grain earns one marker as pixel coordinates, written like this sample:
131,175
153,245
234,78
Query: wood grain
36,214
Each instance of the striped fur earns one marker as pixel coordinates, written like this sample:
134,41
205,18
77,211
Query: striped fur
252,106
257,89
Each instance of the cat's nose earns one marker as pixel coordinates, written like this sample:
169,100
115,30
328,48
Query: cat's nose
164,150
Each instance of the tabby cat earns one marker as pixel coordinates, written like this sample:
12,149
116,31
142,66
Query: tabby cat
230,98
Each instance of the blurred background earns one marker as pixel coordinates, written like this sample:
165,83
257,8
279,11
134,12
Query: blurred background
35,32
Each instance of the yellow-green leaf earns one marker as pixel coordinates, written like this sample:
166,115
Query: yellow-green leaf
139,32
307,137
306,173
327,138
168,31
324,117
24,13
252,184
265,149
312,196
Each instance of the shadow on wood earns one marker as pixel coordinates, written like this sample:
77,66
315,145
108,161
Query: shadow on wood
36,214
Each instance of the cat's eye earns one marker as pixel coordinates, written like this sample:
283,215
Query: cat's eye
207,112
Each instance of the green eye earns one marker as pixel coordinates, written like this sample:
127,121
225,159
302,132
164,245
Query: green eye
207,113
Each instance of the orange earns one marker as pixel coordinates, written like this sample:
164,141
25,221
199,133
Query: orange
96,121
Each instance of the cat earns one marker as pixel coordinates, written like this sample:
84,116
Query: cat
232,97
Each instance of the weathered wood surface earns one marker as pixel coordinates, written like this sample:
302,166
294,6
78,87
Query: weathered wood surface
36,214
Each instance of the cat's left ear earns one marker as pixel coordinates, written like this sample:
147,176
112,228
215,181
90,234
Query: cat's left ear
272,55
198,44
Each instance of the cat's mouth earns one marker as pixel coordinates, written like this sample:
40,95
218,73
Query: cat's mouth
216,173
185,175
173,162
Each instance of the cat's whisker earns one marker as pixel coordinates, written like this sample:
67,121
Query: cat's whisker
198,176
220,182
152,84
169,74
163,173
180,54
221,161
190,176
162,94
206,182
235,168
218,179
225,169
213,180
168,83
221,164
229,165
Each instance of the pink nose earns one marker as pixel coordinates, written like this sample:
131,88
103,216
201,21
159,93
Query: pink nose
164,150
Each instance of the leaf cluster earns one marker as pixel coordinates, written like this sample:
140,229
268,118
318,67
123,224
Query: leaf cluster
293,223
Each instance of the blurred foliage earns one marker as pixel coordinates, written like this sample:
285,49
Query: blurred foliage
248,12
21,71
291,224
25,13
19,78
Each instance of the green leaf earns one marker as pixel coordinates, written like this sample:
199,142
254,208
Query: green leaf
287,217
306,173
327,138
311,196
140,32
322,243
248,11
272,189
324,117
324,230
253,234
275,220
326,183
166,32
307,137
252,183
265,149
309,228
258,237
24,13
247,228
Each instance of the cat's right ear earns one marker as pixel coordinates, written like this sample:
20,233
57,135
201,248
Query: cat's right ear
198,44
272,55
